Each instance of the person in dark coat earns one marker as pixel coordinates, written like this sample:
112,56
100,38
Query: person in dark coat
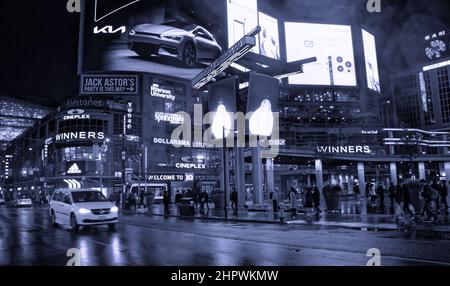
392,195
407,201
234,201
166,202
380,193
316,199
444,195
308,199
204,198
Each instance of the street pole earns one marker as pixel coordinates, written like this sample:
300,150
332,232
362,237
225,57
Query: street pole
145,167
124,181
225,174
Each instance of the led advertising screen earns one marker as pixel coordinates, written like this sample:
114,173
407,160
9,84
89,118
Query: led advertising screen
242,18
437,44
370,53
333,47
178,38
269,40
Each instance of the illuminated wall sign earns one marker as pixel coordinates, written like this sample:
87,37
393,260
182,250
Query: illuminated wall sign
369,132
109,84
76,114
190,166
75,168
129,119
80,136
165,141
167,117
167,177
157,91
224,61
344,149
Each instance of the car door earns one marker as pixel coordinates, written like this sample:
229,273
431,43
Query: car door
66,207
57,206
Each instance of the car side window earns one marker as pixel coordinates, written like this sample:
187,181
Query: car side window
67,199
60,197
55,197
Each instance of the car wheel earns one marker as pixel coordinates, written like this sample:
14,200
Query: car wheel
112,226
53,219
73,223
189,55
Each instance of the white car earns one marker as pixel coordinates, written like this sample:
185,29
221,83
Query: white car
82,207
22,201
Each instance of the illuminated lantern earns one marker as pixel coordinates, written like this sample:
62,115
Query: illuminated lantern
222,120
261,122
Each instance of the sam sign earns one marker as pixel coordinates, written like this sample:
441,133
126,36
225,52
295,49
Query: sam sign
109,85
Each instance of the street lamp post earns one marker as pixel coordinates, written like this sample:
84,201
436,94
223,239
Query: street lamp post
225,174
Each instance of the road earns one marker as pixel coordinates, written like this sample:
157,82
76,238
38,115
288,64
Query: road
27,238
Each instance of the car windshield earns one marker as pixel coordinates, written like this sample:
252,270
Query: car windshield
180,25
88,197
23,197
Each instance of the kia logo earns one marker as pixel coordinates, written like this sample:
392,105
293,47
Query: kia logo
75,112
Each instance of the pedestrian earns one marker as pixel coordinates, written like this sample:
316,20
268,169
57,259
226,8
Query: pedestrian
429,196
356,191
436,185
141,200
293,202
444,196
204,198
234,201
380,193
392,196
316,200
407,207
373,195
166,202
308,200
274,197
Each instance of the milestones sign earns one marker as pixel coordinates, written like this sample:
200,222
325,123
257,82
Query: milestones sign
109,84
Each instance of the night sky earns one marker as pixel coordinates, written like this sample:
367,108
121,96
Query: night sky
39,43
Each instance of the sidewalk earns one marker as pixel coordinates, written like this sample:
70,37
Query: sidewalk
371,222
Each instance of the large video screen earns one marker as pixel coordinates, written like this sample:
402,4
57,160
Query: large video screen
269,39
370,53
333,47
437,44
178,38
242,18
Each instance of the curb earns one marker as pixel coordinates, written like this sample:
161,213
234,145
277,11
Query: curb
355,226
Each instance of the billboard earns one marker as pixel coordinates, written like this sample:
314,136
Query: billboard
437,44
370,55
333,47
175,38
242,18
269,39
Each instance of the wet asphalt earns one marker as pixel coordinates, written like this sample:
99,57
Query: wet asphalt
27,238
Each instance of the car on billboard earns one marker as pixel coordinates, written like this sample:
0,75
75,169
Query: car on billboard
189,43
82,207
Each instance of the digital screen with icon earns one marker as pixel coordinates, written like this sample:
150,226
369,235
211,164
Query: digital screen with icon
333,47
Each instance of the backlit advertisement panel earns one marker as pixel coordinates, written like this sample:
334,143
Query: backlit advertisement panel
333,47
370,53
242,18
269,40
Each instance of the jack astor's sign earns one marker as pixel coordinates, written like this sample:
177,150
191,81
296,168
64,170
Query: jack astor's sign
344,149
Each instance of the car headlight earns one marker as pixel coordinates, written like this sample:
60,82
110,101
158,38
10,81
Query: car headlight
174,38
132,32
114,209
84,211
